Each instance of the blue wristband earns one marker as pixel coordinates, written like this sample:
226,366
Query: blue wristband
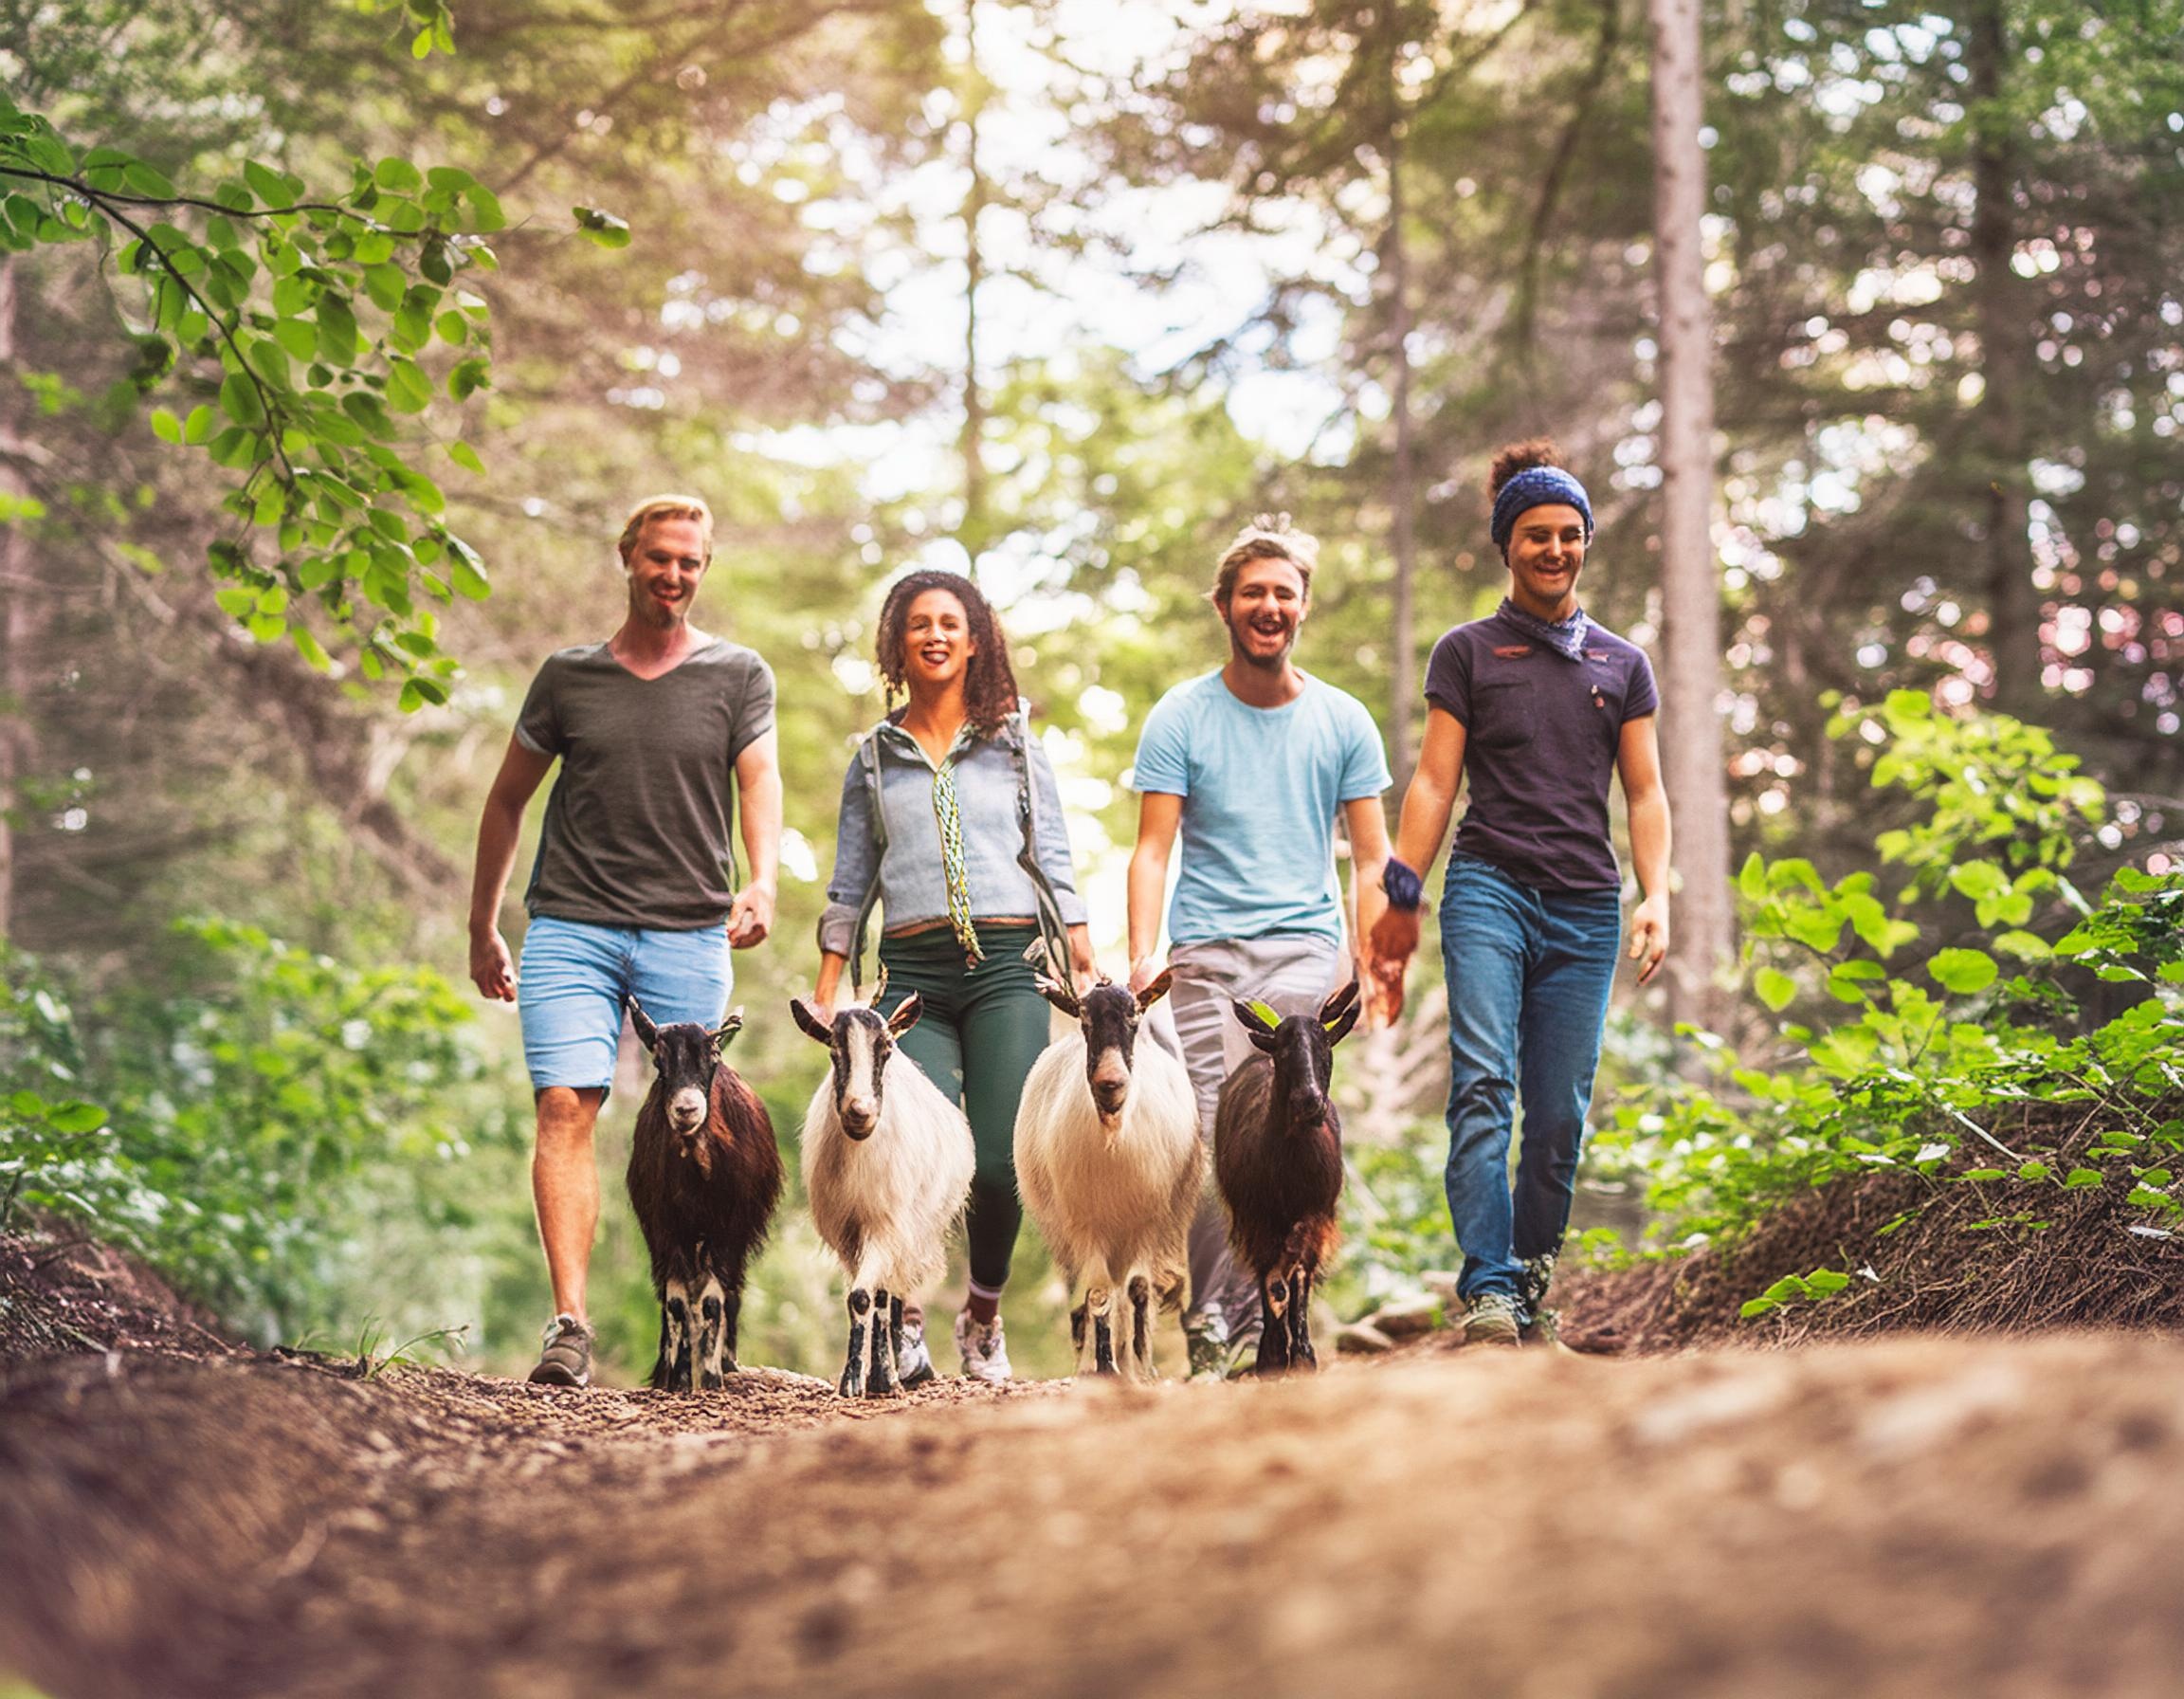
1406,889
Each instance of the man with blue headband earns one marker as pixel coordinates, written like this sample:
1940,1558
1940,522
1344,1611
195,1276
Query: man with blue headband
1536,706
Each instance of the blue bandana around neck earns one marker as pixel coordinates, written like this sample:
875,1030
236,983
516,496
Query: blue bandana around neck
1537,486
1566,637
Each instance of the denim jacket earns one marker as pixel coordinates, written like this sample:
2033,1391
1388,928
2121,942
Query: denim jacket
887,843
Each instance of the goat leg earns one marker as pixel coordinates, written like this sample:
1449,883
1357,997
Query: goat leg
1273,1323
731,1312
675,1339
1101,1301
1141,1324
711,1314
1300,1352
881,1386
853,1371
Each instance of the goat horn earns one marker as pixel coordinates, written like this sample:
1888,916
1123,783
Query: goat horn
879,988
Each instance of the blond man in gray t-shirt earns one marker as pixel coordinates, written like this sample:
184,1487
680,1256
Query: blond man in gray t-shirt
664,733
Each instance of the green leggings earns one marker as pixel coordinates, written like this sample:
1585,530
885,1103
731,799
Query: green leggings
995,1014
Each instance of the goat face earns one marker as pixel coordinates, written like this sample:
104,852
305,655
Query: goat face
1108,1013
686,1055
1303,1047
859,1043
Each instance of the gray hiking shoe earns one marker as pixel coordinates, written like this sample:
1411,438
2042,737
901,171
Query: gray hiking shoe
1492,1319
913,1359
567,1357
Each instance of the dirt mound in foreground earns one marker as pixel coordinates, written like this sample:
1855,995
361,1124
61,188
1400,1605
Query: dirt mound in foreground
1923,1253
1917,1517
59,1293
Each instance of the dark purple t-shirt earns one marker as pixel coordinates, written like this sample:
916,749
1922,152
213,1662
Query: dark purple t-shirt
1541,733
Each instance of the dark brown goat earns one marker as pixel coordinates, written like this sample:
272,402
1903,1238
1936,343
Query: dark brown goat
704,1176
1278,1159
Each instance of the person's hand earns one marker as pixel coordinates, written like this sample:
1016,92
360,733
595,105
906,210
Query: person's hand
750,917
492,969
1649,936
1388,954
1143,972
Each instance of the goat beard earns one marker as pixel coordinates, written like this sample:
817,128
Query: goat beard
698,1147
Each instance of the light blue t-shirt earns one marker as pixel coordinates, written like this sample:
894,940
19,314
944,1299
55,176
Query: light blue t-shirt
1261,787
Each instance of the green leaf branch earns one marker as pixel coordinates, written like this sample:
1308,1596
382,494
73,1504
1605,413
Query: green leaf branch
307,333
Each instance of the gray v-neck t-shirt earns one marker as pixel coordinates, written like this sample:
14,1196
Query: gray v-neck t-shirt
639,825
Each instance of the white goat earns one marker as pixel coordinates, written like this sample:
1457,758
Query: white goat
1110,1164
887,1166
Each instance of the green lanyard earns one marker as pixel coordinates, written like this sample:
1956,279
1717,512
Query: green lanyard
948,811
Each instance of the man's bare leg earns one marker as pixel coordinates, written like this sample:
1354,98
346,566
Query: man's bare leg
565,1184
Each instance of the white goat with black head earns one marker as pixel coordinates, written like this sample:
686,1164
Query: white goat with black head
887,1166
1110,1164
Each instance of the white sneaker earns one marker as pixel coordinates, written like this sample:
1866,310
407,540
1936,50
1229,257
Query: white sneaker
985,1350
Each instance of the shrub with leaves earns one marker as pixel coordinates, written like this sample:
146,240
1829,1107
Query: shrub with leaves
1959,1051
254,1131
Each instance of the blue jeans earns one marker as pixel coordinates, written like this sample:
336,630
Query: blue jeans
1529,973
574,976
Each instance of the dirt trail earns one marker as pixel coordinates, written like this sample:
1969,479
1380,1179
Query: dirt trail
1919,1517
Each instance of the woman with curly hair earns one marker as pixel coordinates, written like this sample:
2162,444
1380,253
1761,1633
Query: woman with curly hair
950,823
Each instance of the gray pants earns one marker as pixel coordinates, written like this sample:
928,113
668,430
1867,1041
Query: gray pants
1292,971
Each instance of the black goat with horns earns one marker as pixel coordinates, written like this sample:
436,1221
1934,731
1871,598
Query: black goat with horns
1278,1157
704,1178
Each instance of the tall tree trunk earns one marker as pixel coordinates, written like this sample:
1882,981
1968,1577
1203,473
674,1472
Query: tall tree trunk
971,533
17,612
1690,588
2012,603
1402,498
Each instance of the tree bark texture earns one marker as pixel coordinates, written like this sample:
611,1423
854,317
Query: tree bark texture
16,614
1403,499
2012,603
972,531
1691,739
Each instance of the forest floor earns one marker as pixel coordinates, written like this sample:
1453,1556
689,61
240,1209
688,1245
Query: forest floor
1922,1515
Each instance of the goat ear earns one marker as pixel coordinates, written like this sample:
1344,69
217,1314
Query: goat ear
1258,1018
1338,1029
808,1019
1156,989
1340,1003
648,1034
730,1024
1059,994
905,1015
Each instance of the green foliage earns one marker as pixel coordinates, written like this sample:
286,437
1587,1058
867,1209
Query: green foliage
298,332
1921,1068
1793,1289
259,1117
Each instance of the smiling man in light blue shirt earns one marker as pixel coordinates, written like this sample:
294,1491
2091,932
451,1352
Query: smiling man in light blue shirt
1251,766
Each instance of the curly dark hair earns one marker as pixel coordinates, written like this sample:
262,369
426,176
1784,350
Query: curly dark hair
989,686
1512,458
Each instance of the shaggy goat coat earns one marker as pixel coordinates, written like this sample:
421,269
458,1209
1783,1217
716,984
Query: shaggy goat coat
884,1204
1120,1200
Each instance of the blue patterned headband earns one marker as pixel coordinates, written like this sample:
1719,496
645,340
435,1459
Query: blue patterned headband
1537,486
